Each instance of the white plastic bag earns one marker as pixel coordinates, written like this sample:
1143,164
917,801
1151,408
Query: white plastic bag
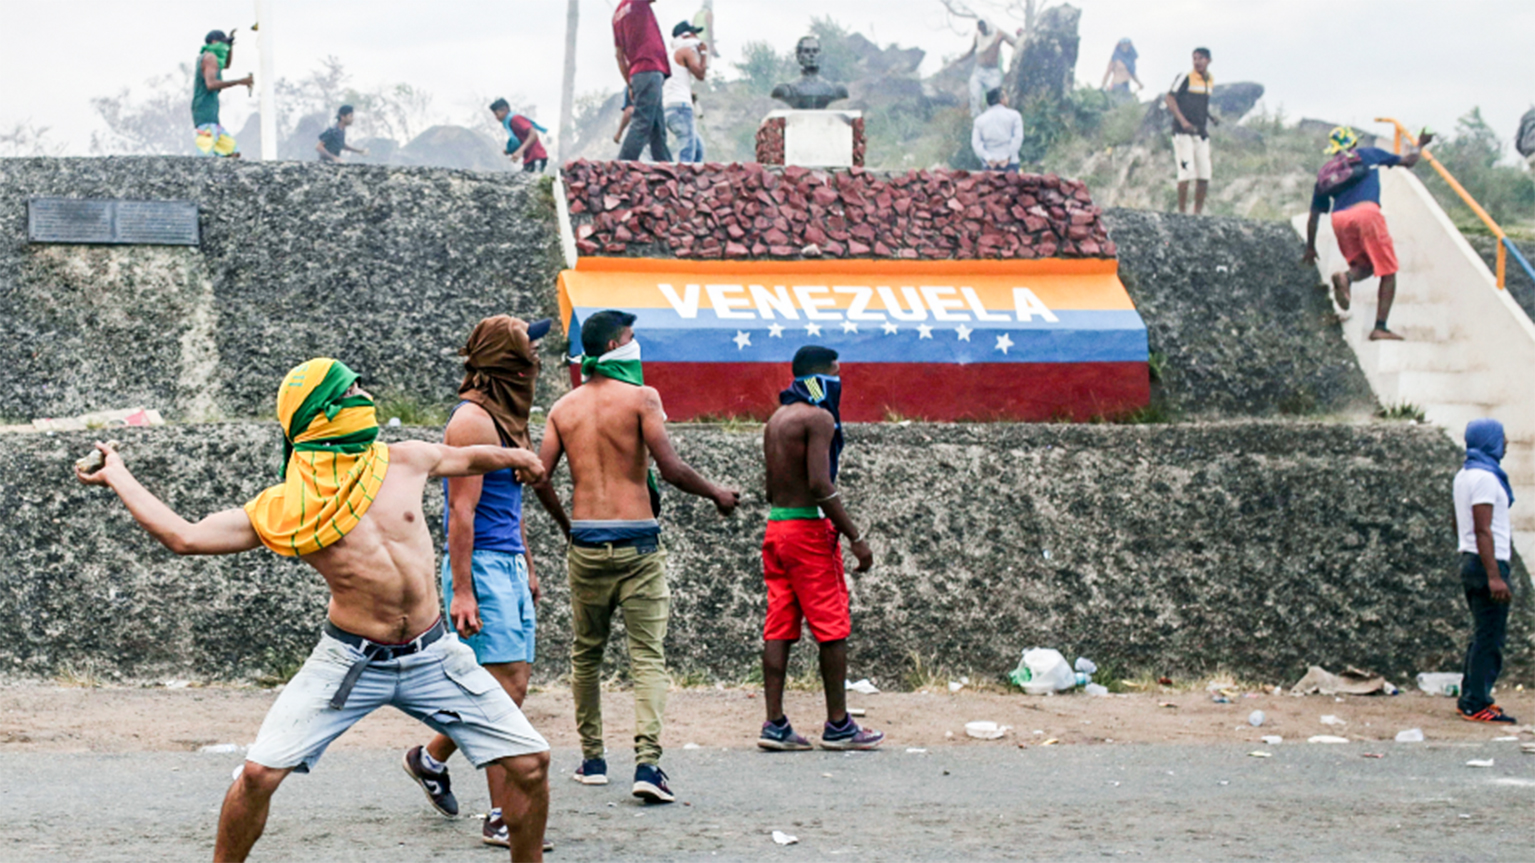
1048,671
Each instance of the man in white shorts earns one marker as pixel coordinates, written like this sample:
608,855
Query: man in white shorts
350,506
1189,103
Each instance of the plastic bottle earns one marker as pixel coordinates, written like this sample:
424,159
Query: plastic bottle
1255,719
1083,679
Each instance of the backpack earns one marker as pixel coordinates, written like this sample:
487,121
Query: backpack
1341,170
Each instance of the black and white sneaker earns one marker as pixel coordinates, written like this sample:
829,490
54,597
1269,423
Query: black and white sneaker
650,784
438,787
494,832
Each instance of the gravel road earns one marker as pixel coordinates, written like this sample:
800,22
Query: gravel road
1159,802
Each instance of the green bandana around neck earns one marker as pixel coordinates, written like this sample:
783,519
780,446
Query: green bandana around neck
621,364
219,50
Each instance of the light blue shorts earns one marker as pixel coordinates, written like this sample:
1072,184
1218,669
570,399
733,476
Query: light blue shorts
443,686
508,621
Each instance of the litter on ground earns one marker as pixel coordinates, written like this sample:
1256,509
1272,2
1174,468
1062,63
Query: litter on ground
1351,682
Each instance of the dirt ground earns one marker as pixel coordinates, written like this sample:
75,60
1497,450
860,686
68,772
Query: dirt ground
45,718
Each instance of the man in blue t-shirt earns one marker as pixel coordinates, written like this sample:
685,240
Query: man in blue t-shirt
488,582
1359,225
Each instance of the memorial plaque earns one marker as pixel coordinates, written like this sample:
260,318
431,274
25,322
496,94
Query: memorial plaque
112,221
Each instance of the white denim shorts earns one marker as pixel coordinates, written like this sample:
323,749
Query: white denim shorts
442,685
1193,155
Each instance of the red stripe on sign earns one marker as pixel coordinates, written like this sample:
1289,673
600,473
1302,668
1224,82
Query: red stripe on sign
876,392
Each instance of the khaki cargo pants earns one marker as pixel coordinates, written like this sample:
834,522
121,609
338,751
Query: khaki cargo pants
602,581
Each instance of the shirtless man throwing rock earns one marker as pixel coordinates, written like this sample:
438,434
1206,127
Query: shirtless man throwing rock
801,558
350,506
611,426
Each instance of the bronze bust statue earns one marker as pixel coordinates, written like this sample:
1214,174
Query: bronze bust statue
811,92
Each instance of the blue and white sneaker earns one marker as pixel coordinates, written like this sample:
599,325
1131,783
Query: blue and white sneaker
650,784
437,786
850,736
593,771
775,738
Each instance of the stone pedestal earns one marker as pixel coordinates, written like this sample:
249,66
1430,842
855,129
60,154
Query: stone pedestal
812,139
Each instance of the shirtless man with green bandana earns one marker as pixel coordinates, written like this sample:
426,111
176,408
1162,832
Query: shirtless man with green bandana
212,60
611,426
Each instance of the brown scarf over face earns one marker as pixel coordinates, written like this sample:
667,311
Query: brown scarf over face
500,369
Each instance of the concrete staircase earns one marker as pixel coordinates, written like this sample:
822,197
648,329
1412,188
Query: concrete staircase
1469,349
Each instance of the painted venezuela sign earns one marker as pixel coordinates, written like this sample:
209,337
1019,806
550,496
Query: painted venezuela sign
938,340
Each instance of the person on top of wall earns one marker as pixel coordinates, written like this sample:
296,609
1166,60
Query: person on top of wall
523,143
332,141
1189,102
690,60
211,137
643,61
1349,186
1121,71
987,73
997,135
1485,541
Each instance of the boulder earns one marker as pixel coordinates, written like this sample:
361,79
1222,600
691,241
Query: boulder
1231,102
1045,67
454,147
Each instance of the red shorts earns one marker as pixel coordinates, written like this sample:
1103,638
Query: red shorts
802,564
1363,238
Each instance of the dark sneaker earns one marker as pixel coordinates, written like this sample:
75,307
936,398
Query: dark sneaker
650,784
593,771
438,787
1490,713
851,737
782,739
494,832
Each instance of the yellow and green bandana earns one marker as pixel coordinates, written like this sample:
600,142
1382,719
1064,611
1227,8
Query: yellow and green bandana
1342,138
333,463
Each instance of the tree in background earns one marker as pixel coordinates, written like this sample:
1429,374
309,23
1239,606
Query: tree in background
157,123
1474,155
25,139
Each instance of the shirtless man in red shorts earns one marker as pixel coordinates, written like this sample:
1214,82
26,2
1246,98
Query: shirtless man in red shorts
801,557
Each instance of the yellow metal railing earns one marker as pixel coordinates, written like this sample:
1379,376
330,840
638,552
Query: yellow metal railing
1400,135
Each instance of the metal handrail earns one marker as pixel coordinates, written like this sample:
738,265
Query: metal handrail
1505,245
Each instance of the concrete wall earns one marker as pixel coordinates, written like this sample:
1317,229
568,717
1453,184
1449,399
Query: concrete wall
1253,546
1469,349
1236,325
386,268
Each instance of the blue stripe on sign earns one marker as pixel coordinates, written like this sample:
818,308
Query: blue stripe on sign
1079,337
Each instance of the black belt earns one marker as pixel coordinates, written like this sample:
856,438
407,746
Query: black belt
374,652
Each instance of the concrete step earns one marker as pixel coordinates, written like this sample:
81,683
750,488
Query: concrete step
1453,416
1423,387
1424,357
1426,322
1524,543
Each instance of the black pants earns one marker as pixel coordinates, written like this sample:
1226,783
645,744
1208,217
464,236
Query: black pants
648,125
534,166
1489,621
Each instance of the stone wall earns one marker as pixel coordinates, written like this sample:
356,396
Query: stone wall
386,268
1235,324
1256,547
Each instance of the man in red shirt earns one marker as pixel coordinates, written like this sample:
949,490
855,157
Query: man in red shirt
523,143
643,61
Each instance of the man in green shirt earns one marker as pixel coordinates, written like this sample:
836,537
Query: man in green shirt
212,139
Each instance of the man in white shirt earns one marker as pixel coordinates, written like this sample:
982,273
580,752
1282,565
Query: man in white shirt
1482,499
690,61
997,134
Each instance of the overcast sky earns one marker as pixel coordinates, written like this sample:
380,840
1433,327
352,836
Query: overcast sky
1423,62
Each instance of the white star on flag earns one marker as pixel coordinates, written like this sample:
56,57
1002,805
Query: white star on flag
813,329
889,328
924,331
775,331
964,332
743,340
1004,342
849,327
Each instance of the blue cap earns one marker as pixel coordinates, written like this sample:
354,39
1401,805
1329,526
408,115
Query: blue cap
539,329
